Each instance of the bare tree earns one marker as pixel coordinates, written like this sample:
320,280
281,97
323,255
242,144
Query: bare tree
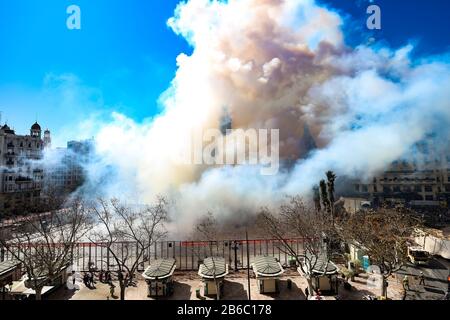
207,229
139,227
297,220
43,243
383,234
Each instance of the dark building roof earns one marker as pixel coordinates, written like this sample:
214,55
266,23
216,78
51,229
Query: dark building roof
7,266
7,129
267,266
36,126
160,269
213,267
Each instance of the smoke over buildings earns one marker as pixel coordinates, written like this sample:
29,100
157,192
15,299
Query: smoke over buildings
274,64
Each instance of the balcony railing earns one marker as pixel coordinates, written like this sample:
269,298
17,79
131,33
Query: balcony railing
186,253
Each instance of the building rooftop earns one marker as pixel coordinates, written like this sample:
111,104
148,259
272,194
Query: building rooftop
213,267
323,265
7,266
7,129
267,266
36,126
160,269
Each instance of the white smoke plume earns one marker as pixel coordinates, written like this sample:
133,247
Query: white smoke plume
274,64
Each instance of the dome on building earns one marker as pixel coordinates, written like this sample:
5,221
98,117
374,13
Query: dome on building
47,131
36,126
6,127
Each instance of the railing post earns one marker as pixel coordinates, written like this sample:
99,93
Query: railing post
186,255
90,256
107,257
192,256
137,256
84,253
235,248
121,251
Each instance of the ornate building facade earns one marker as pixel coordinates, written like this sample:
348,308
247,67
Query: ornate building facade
21,174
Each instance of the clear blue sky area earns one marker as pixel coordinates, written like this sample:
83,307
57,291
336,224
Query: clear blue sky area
123,58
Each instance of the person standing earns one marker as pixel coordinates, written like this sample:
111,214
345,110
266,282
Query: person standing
406,283
111,290
422,279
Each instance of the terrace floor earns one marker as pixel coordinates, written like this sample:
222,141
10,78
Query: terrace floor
235,288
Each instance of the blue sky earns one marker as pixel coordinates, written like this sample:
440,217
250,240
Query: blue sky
124,56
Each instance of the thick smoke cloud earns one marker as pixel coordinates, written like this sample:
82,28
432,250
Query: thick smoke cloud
274,64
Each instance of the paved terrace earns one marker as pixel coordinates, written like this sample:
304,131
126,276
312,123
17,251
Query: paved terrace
235,288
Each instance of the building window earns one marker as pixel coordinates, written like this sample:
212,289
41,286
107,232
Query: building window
429,198
428,189
418,188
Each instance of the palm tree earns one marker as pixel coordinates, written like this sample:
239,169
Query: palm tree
324,196
331,178
316,197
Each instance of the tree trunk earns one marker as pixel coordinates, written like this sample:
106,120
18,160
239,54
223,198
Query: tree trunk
38,293
310,286
384,287
122,292
217,290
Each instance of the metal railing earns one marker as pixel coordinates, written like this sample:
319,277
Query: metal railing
188,254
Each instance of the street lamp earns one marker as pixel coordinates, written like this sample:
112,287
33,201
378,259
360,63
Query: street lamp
235,247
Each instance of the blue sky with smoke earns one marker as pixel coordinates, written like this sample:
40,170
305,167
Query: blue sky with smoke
274,64
125,55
